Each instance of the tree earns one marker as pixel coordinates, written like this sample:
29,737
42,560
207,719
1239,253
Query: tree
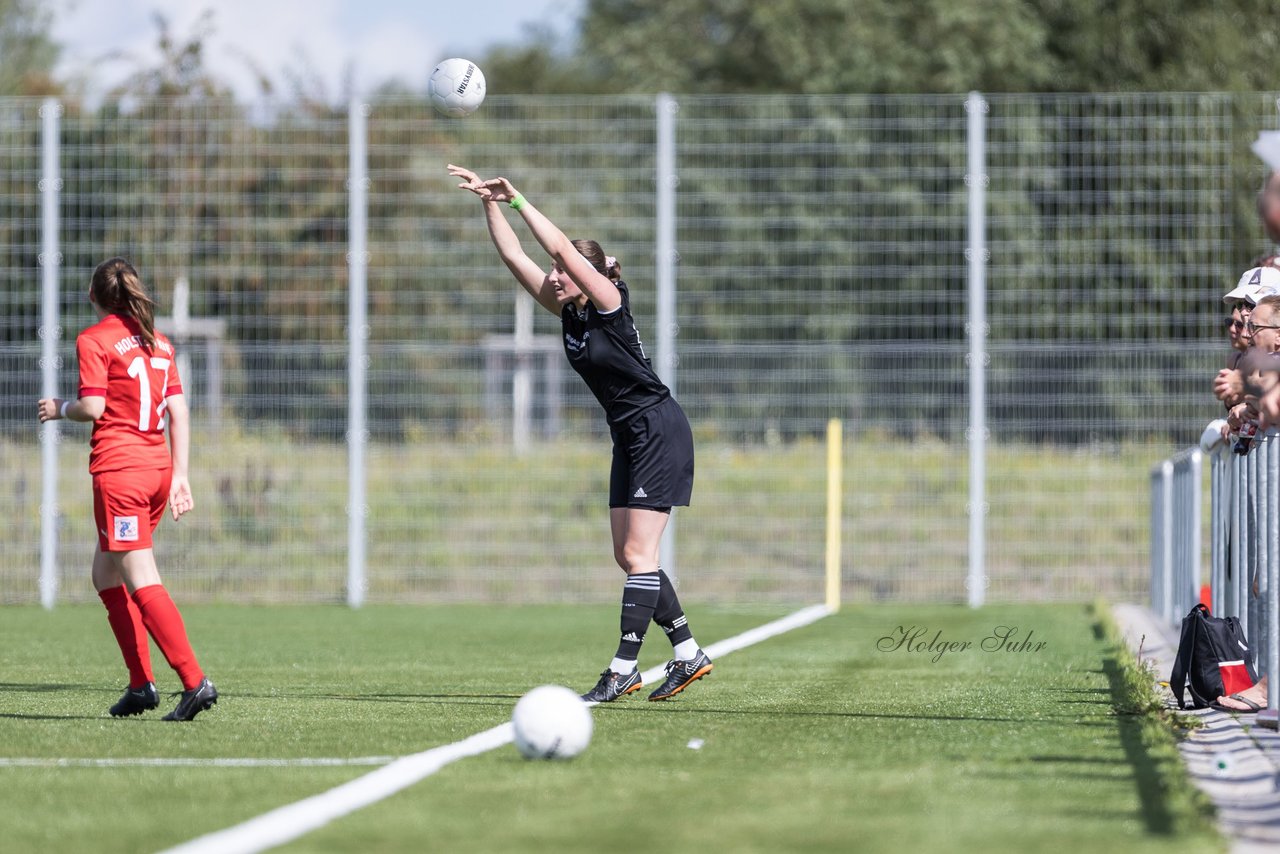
813,46
181,72
913,46
27,53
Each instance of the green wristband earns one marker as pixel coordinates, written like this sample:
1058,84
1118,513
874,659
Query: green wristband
517,203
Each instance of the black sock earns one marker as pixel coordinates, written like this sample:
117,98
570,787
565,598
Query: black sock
639,597
668,612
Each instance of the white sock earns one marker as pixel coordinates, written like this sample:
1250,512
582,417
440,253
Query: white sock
685,650
623,666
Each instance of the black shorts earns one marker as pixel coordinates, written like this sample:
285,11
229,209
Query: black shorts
653,460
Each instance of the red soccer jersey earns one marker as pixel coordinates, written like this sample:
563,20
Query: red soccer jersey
115,364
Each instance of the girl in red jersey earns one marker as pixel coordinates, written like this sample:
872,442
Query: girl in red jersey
129,389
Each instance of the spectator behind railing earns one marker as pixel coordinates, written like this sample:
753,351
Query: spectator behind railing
1229,385
1264,331
1260,366
1250,384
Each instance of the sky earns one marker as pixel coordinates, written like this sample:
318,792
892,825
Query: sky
379,39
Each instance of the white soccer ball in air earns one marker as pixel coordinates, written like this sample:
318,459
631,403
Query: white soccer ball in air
456,87
551,722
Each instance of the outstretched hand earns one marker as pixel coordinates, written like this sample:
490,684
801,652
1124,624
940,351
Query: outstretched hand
500,190
470,181
492,190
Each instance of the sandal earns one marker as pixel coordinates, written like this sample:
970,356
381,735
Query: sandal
1253,707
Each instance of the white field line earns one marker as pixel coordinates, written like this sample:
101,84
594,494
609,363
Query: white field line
291,821
193,762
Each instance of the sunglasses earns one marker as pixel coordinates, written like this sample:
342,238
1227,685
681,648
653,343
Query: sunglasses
1233,324
1252,327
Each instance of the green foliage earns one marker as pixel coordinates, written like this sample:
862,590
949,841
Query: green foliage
829,46
1151,45
809,227
27,51
811,46
181,72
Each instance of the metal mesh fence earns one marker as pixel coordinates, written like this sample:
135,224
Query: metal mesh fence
19,347
821,273
1110,237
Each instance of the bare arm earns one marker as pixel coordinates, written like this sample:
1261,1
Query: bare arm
526,272
180,500
88,408
603,293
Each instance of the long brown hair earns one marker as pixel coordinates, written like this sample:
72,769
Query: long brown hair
117,288
605,266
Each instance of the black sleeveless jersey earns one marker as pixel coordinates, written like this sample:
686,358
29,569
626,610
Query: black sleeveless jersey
605,350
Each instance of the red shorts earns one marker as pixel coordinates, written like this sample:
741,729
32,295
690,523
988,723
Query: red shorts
127,507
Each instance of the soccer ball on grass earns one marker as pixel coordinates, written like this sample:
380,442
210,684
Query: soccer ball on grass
551,722
456,87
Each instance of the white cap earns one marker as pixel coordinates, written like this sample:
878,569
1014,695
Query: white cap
1259,294
1213,438
1253,281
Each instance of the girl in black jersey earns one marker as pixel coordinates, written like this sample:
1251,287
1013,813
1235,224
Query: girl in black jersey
652,444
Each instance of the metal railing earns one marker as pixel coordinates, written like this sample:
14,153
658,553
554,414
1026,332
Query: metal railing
1175,534
1244,538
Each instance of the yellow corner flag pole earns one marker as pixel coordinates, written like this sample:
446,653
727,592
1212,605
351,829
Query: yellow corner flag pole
835,484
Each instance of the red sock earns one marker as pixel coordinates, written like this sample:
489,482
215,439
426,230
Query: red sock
163,621
126,623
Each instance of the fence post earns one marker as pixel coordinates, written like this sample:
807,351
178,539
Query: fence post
665,272
1166,544
976,178
1192,496
1251,539
1270,717
1157,539
1263,509
1217,542
357,355
835,517
1242,542
50,335
1230,555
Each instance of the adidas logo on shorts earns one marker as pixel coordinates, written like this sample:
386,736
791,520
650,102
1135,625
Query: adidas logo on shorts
640,493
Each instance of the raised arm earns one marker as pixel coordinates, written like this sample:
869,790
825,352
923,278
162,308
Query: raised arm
603,293
527,273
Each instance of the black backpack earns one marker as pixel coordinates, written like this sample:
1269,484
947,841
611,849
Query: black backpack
1214,659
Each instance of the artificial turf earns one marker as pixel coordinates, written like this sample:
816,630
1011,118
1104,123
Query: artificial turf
827,738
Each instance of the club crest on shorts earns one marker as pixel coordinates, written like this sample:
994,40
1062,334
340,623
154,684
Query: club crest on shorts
126,529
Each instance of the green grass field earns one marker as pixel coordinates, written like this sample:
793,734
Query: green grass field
816,740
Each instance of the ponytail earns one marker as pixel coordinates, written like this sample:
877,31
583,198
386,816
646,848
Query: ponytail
117,288
606,265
